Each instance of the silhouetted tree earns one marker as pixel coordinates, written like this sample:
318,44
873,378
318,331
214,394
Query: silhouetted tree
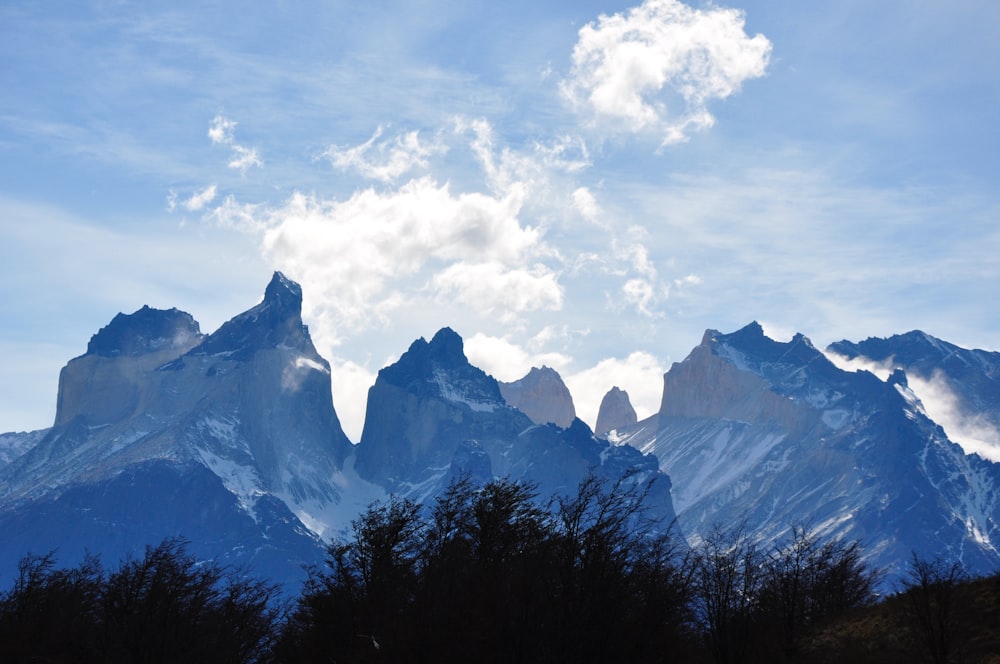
930,593
807,583
164,607
727,576
487,574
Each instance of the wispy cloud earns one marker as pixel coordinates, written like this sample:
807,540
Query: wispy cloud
941,403
222,132
657,66
196,202
385,160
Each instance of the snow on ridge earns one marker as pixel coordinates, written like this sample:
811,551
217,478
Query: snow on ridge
449,393
736,357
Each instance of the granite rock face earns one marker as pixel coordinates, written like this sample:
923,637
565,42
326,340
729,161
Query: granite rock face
432,417
244,416
775,435
542,396
616,412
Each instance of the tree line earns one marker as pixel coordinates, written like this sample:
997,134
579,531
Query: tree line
485,573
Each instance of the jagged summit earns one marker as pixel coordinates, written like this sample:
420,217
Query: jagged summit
282,291
276,321
243,422
447,346
440,368
773,434
432,417
541,395
145,331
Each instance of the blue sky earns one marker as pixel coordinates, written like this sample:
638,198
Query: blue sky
587,185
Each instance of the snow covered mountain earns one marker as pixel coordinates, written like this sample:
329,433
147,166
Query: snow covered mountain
432,416
160,431
231,441
960,388
775,435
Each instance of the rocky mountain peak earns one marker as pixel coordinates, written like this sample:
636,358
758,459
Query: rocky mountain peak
282,291
616,411
440,368
541,395
446,346
145,331
276,321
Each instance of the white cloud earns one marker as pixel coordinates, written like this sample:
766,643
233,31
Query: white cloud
244,158
640,374
200,199
493,288
974,432
586,204
350,382
385,160
641,294
656,67
360,258
222,132
508,361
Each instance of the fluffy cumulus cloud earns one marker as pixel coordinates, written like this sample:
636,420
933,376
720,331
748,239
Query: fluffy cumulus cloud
657,66
497,289
385,160
362,257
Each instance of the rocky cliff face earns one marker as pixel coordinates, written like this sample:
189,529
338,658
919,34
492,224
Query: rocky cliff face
542,396
774,434
616,412
433,416
247,410
108,383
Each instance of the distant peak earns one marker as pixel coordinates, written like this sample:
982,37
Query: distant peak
752,330
616,411
541,395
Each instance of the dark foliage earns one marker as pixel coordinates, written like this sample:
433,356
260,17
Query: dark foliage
932,594
488,575
164,607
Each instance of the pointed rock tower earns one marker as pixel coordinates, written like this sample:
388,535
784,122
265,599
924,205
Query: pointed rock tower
616,412
541,395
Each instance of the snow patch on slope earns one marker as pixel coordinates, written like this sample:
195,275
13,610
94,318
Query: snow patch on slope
450,393
241,480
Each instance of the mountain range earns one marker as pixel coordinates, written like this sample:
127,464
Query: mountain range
231,440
